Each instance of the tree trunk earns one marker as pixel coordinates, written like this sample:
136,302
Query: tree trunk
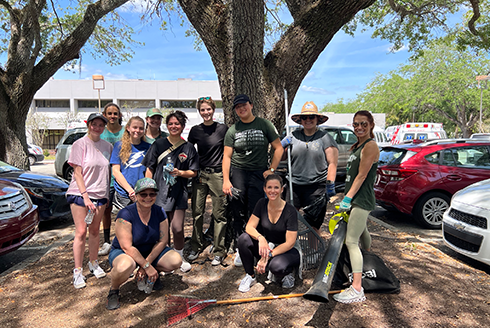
24,73
233,33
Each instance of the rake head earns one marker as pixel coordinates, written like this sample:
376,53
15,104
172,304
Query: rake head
181,307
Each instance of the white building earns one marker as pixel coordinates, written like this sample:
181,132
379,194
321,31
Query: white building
63,104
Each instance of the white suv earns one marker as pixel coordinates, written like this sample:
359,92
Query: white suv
61,166
465,225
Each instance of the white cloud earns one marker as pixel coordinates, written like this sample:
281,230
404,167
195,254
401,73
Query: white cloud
316,90
310,76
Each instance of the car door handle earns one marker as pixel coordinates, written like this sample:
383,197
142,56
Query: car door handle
453,177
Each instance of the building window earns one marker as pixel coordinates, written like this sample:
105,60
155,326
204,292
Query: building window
53,103
136,104
92,104
177,104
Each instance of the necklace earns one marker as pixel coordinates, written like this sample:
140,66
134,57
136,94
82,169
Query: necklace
309,138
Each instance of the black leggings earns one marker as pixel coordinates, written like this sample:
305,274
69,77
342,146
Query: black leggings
280,265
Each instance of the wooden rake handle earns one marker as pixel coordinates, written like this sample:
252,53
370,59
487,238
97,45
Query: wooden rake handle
265,298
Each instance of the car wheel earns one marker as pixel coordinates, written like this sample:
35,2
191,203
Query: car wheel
430,209
32,160
68,173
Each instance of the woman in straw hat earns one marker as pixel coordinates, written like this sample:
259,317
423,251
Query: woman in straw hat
314,157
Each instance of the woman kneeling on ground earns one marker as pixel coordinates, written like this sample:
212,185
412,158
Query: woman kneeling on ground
270,234
141,240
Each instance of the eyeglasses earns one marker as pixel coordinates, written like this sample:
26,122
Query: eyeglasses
364,124
307,117
204,98
144,194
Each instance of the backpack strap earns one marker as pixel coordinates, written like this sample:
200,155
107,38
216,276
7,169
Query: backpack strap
168,151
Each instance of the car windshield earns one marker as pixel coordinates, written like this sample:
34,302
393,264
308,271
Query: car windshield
391,155
4,167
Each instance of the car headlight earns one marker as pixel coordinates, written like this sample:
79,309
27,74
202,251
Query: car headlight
36,192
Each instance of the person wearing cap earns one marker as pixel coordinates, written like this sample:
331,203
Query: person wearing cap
153,122
88,193
171,162
245,162
314,157
113,132
209,137
141,241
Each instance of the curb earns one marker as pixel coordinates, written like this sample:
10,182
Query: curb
36,257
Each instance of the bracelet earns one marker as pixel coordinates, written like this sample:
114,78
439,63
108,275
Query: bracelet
83,192
259,236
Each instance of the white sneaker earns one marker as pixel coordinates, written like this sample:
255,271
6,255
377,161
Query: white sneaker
246,283
105,249
96,269
78,279
288,281
217,260
350,296
238,260
186,266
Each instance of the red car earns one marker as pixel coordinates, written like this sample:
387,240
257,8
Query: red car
420,178
19,218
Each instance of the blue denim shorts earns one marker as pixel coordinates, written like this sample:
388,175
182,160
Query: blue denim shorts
78,200
115,252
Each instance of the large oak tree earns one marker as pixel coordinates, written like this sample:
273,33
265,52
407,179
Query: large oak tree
32,59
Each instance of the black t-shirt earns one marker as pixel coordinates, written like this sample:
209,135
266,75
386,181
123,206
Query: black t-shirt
276,233
185,157
210,143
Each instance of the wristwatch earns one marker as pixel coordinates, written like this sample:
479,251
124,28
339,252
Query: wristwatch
147,264
272,170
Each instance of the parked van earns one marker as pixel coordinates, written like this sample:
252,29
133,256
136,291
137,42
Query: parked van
418,131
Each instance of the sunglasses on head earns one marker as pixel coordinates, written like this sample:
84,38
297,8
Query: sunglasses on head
204,98
144,194
307,117
364,124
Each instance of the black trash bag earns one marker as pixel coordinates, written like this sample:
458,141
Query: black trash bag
315,212
376,276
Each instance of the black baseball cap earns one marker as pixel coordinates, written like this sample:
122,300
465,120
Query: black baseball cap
241,99
93,116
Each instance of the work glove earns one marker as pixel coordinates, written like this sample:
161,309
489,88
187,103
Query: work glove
167,177
330,189
345,204
286,141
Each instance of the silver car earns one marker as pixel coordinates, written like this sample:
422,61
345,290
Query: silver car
63,149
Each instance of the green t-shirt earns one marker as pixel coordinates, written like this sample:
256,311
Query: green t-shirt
365,197
112,137
250,143
163,134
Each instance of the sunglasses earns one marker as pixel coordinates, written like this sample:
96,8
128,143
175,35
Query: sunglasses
364,124
204,98
144,194
307,117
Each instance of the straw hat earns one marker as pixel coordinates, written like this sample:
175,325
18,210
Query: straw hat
309,108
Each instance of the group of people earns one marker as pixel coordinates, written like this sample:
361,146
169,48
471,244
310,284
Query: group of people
143,173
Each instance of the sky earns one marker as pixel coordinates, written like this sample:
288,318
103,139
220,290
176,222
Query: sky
342,71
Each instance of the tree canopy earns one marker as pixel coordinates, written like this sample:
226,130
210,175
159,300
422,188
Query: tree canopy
439,86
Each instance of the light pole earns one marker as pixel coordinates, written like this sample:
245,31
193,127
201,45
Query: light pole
98,84
481,78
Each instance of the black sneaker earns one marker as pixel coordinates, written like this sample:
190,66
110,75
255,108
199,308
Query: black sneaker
193,255
113,300
158,284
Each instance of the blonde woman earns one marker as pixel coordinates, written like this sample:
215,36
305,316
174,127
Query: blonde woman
126,161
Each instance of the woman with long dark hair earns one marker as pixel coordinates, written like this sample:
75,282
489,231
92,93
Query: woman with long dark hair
360,200
270,237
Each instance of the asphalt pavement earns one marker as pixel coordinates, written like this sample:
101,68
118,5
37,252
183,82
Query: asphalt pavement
51,235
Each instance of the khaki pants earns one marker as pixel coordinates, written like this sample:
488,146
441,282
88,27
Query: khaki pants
209,184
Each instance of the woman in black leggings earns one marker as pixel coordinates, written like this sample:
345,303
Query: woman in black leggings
270,236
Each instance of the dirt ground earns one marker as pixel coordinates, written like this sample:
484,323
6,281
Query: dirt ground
436,291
